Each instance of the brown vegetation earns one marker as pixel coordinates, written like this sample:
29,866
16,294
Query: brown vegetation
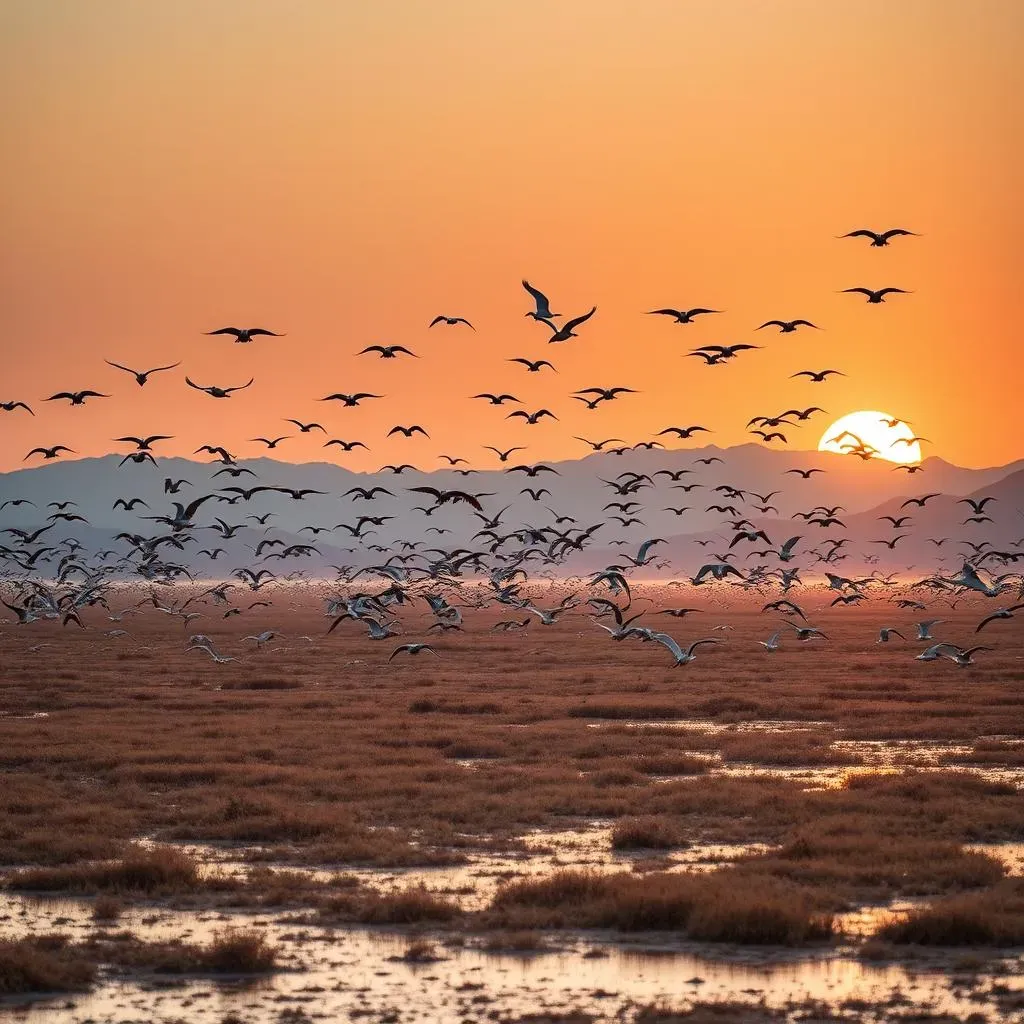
46,963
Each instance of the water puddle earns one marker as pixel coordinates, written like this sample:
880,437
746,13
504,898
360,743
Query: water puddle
339,974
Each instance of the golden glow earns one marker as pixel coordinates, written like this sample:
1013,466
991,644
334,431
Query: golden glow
873,430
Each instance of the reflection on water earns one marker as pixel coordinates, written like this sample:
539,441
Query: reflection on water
347,974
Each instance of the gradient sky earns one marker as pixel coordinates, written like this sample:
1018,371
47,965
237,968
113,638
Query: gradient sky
345,171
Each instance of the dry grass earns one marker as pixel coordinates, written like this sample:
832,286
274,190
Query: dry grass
47,963
363,768
994,917
649,833
748,909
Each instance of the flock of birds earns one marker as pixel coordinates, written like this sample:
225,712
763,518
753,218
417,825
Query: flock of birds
43,578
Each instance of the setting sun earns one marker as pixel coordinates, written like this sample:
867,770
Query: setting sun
871,434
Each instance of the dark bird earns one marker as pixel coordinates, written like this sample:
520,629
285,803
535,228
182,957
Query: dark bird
877,239
977,504
567,330
367,494
75,397
243,335
532,471
999,613
717,353
897,522
598,445
173,486
451,321
49,453
216,392
408,431
542,310
454,497
919,502
144,444
788,326
683,432
141,376
271,442
805,473
682,316
306,427
532,365
349,400
817,376
388,351
877,296
496,399
345,445
803,414
605,394
503,455
128,504
11,406
531,417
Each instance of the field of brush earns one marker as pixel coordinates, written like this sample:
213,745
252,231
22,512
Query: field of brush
518,788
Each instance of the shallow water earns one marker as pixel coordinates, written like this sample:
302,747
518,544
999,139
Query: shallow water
349,973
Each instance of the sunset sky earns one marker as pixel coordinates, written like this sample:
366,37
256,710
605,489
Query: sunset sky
345,171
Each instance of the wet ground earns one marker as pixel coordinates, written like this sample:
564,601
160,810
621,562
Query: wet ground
345,974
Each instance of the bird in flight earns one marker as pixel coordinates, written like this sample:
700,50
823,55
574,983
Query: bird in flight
11,406
818,376
349,400
388,351
543,306
788,326
533,366
451,321
49,453
682,316
216,392
877,296
75,397
878,238
567,330
141,376
243,335
531,417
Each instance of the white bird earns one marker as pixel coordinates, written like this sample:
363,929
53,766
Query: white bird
887,631
219,658
924,629
681,657
264,637
772,643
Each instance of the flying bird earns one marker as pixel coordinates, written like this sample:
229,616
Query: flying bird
788,326
877,238
142,376
682,316
877,296
542,310
243,335
451,321
567,330
75,397
217,392
388,351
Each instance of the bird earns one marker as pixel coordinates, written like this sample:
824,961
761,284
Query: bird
886,632
598,445
542,310
879,295
680,656
271,442
877,238
49,453
306,428
451,321
805,473
503,455
11,406
345,445
531,418
772,643
144,444
349,400
408,431
919,502
999,613
75,397
413,649
605,394
567,330
682,316
450,496
243,335
532,365
142,376
924,629
788,326
217,392
388,351
818,376
496,399
683,432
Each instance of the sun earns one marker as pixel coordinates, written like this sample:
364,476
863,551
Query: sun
872,430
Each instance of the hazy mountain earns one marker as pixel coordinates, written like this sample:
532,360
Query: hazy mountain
864,489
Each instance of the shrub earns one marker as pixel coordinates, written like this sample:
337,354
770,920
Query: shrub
44,964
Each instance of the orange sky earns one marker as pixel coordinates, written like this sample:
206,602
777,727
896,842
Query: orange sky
344,171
